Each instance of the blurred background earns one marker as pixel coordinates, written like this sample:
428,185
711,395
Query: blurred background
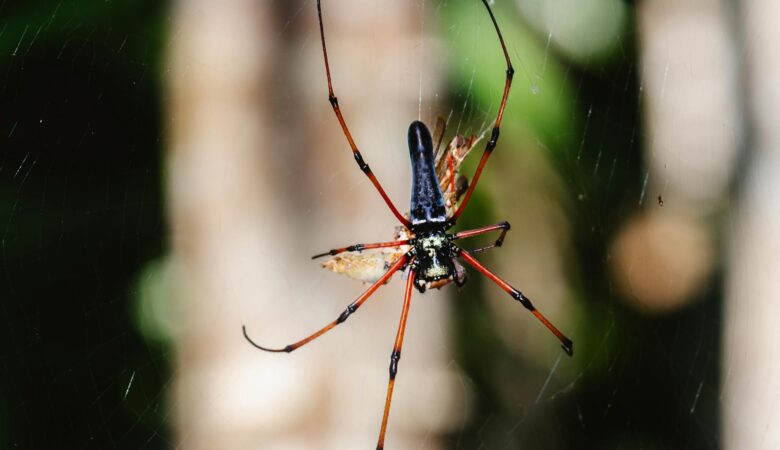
168,168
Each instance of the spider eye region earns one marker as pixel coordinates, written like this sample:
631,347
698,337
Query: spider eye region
434,256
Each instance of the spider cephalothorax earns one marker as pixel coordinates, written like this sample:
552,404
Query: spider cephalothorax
434,255
422,245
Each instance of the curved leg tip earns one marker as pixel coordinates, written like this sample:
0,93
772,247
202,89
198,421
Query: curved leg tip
287,349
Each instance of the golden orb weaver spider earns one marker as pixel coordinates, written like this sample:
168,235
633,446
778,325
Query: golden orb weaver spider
423,245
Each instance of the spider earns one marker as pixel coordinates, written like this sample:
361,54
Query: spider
424,246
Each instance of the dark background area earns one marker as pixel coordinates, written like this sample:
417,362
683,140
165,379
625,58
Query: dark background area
81,212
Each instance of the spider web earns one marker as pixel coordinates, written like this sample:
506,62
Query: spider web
94,314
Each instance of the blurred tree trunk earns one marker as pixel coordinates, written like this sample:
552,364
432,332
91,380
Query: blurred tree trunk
689,98
691,157
751,371
259,178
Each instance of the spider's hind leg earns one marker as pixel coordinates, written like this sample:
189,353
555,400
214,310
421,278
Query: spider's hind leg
491,144
334,103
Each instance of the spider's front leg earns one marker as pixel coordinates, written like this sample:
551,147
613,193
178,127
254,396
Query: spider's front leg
402,262
566,343
395,356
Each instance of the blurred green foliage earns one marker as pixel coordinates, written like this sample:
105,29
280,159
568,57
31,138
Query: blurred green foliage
635,380
541,100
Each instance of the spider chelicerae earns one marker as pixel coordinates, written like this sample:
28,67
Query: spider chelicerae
423,245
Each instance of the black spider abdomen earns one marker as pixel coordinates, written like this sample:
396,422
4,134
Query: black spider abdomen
427,207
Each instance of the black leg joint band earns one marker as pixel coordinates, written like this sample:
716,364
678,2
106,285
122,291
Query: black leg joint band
493,140
288,349
362,164
568,346
517,295
505,225
510,72
334,102
356,248
347,312
394,358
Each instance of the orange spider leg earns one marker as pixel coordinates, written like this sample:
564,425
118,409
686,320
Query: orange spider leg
395,356
334,103
342,317
567,344
361,247
491,144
